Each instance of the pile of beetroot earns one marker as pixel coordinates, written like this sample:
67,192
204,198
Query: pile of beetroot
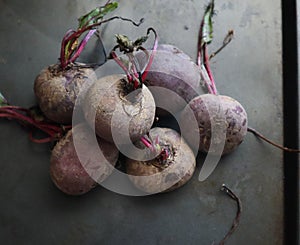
121,109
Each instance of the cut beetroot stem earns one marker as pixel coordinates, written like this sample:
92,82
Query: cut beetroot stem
163,154
237,218
147,143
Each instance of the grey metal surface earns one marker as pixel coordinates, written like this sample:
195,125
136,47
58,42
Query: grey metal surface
33,211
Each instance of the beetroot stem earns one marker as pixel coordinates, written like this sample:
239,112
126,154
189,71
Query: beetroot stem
199,46
208,69
206,79
27,120
146,143
226,41
17,113
133,72
134,69
120,63
40,141
204,38
63,54
74,35
237,218
144,75
156,148
82,45
30,120
256,133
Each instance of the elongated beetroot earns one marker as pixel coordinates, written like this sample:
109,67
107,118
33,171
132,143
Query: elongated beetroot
74,176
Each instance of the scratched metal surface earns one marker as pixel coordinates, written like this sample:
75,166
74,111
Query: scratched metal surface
33,211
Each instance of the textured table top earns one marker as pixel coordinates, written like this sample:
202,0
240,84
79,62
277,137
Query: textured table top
32,210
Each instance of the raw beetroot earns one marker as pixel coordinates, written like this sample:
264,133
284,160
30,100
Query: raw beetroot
223,110
74,176
56,90
107,97
173,70
57,86
213,110
166,174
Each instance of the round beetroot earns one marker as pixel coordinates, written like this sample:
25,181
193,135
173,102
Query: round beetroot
172,69
56,90
155,175
74,176
112,110
223,111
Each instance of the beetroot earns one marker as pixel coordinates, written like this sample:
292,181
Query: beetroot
121,107
163,172
57,86
214,111
56,90
172,69
222,121
74,175
107,98
222,110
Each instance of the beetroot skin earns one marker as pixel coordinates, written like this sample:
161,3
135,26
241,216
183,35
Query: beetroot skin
235,120
56,90
67,171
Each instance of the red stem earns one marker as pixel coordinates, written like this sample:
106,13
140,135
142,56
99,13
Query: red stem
119,62
211,86
22,118
40,141
146,143
145,73
71,34
82,45
63,58
133,67
132,73
15,112
14,108
257,134
11,111
208,69
206,79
